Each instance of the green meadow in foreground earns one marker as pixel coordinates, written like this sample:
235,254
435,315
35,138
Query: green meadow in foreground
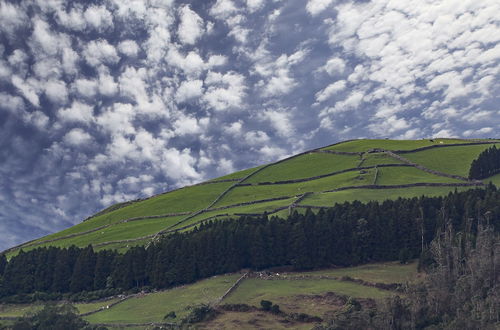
293,294
286,184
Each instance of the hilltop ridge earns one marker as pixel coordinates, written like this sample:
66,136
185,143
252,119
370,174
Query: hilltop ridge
344,171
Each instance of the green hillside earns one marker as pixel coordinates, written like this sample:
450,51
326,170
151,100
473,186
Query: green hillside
353,170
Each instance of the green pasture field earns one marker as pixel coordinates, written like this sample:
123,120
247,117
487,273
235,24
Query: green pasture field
249,193
366,195
293,295
305,166
255,208
18,310
373,159
153,307
408,175
121,231
238,175
285,292
182,200
451,160
90,307
365,145
122,247
384,272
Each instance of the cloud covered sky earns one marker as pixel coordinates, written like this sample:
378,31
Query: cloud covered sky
110,100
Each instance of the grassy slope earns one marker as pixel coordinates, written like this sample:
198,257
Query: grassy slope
187,199
378,159
153,307
453,160
385,272
253,290
365,145
249,193
238,175
405,175
291,295
366,195
305,166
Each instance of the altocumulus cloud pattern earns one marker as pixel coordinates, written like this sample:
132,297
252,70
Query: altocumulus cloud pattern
112,100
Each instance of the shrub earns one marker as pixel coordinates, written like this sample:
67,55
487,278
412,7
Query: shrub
199,313
170,315
275,309
266,305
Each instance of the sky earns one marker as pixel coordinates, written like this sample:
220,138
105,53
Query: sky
106,101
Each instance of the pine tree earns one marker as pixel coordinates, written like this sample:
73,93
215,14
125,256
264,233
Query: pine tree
3,263
82,278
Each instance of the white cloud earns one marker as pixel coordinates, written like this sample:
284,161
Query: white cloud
179,165
186,125
277,73
47,68
330,90
192,64
117,119
225,166
280,120
78,112
133,83
191,26
12,17
189,89
98,17
107,85
335,66
478,132
129,48
256,137
388,126
69,61
29,89
224,91
56,91
85,87
222,9
45,41
72,20
100,52
12,103
216,60
314,7
77,137
18,59
272,152
36,118
254,5
235,128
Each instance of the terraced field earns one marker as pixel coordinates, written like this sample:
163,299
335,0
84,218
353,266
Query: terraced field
357,169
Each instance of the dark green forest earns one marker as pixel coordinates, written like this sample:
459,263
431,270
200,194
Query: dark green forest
346,234
487,164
